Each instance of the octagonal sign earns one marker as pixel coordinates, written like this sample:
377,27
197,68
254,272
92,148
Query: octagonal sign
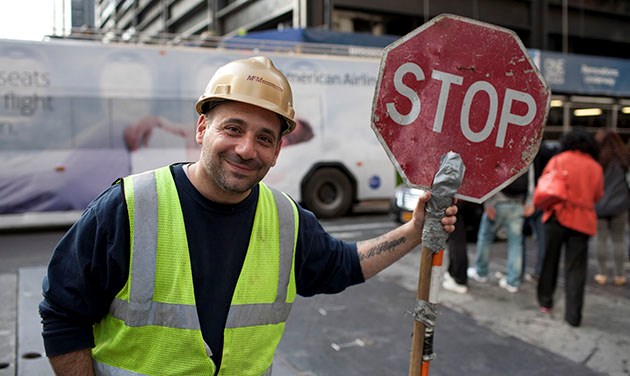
456,84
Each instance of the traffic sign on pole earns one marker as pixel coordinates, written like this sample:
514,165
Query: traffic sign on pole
456,84
460,88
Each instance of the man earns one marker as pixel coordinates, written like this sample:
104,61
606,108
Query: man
505,210
192,268
456,276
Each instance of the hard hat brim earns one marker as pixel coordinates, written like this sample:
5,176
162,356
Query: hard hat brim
204,105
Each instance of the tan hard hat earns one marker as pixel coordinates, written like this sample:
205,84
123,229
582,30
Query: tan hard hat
255,81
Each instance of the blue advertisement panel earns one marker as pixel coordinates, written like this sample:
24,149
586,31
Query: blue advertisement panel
585,75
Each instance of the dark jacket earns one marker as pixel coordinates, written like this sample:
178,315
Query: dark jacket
616,198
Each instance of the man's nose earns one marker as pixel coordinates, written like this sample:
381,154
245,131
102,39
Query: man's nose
246,147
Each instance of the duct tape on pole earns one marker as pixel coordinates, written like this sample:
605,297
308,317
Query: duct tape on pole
464,88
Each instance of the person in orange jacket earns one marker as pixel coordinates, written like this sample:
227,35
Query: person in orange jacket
571,223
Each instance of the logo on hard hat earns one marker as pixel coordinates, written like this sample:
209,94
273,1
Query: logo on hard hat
263,81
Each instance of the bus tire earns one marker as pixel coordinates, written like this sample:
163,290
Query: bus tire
328,193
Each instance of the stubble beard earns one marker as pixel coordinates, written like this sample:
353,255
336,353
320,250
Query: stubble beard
227,181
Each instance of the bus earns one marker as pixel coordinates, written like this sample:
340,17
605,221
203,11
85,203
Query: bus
76,115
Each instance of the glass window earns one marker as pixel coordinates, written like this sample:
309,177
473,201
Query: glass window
623,120
590,116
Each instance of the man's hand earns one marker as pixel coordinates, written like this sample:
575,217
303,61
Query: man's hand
137,135
528,209
448,221
491,212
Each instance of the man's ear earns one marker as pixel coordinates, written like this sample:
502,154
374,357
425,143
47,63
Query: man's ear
278,148
202,126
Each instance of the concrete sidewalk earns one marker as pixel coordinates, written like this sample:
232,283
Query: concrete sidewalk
601,343
486,332
8,323
372,331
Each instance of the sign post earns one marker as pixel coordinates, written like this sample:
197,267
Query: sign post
462,86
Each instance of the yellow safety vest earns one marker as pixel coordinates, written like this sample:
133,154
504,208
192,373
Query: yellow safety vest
153,327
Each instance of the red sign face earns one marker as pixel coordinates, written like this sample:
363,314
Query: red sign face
460,85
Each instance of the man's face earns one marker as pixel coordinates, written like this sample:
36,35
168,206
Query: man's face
239,144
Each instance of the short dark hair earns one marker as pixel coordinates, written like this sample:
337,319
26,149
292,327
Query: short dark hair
284,125
209,105
579,139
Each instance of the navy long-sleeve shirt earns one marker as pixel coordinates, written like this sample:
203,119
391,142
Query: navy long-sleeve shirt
90,264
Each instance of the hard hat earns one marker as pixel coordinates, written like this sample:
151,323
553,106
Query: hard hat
255,81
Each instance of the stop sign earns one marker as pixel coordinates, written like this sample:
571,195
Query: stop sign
456,84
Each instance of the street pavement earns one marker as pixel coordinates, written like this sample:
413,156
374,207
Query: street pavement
366,330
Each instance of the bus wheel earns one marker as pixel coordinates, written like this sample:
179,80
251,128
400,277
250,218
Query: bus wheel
328,193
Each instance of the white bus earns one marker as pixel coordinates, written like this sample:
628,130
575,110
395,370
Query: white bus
76,115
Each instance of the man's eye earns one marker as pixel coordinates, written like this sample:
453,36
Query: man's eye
266,140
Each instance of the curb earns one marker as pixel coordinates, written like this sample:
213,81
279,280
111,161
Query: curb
38,220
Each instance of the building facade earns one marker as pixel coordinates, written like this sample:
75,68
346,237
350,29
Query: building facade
591,27
568,28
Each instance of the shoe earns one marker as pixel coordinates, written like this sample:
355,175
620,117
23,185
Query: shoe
620,281
450,285
472,273
545,310
601,279
503,283
531,277
573,324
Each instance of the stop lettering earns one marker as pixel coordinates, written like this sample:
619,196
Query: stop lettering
456,84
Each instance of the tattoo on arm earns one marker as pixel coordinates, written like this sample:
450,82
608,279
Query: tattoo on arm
387,246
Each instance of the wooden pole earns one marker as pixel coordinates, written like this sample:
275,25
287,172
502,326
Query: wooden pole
445,184
424,286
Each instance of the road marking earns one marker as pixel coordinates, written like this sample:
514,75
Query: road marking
356,342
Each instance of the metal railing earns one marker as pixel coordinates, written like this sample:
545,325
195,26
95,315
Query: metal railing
231,42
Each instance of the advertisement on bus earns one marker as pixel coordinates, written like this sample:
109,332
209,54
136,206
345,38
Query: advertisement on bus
77,115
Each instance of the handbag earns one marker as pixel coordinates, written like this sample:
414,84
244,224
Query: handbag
551,188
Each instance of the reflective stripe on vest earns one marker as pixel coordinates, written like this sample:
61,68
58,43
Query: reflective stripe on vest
102,369
278,311
105,369
142,311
